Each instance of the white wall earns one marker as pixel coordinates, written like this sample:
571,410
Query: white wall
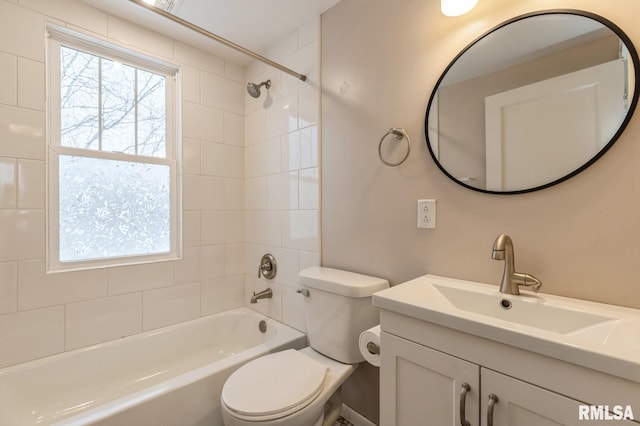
281,166
45,314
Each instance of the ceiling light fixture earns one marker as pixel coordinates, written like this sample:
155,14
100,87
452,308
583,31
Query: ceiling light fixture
457,7
168,5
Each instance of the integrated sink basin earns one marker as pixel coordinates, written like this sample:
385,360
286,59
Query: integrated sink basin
529,310
595,335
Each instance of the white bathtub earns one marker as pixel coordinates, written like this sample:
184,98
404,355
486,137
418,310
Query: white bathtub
169,376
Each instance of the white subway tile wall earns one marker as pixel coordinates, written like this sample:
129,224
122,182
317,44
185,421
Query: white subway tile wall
281,168
103,319
8,287
9,72
32,334
250,186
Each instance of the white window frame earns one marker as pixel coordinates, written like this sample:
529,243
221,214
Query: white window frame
60,36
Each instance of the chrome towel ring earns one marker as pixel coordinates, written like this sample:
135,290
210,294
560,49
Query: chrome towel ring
398,134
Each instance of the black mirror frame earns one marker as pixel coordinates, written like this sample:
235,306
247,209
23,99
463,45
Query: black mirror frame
636,65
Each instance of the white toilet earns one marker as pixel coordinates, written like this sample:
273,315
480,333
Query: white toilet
295,388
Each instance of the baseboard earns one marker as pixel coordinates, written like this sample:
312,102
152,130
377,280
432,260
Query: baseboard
354,417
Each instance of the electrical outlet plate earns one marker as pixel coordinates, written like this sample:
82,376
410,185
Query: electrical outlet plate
427,214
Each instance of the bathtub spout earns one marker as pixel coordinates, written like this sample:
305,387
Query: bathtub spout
264,294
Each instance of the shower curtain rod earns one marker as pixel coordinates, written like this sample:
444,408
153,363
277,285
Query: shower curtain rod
219,39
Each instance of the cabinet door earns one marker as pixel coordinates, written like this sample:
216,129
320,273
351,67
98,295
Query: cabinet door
422,387
523,404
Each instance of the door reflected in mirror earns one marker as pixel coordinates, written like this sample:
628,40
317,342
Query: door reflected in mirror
532,102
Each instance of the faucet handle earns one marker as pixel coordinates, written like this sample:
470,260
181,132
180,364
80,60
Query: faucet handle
267,267
528,280
264,269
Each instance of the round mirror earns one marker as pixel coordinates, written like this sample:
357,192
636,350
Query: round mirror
532,102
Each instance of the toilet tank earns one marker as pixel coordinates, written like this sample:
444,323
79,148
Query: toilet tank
337,309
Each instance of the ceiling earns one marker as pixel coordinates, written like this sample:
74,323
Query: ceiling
253,24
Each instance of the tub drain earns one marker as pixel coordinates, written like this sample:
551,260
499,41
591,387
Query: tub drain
262,326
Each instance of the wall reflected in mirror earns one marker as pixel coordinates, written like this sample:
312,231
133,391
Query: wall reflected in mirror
532,102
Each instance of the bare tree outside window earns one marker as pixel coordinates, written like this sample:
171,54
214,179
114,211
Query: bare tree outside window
110,106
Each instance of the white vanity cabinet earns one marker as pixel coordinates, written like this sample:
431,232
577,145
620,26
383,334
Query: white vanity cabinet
454,350
424,368
420,386
520,403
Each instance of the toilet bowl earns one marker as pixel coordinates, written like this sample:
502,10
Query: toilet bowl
289,388
303,388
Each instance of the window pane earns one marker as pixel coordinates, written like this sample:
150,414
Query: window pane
118,107
109,106
79,99
113,208
151,114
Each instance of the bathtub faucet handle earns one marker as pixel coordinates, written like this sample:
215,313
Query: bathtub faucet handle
268,266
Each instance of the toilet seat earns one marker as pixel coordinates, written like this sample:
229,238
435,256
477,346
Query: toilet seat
274,386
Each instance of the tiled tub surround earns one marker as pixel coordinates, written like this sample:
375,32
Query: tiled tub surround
172,375
282,173
242,196
42,314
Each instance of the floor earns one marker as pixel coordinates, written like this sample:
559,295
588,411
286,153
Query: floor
343,422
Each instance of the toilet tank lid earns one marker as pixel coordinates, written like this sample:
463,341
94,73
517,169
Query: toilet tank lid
345,283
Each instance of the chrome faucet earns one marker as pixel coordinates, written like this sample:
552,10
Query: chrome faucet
264,294
511,280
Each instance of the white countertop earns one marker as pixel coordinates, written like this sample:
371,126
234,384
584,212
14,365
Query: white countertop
602,337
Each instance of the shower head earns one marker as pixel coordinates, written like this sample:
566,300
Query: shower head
254,89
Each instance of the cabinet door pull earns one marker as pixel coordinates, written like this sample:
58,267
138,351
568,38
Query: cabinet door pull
493,399
463,403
